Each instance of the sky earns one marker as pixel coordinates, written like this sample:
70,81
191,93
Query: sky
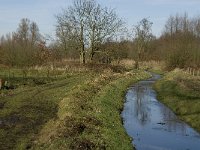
132,11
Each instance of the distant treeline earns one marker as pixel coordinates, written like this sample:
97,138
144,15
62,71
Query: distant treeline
179,45
92,33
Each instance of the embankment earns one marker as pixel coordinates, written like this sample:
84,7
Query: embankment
181,93
89,116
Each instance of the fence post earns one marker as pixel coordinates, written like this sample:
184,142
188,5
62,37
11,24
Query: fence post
48,73
193,73
1,84
188,70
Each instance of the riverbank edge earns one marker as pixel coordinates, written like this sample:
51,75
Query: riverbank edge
113,91
172,91
99,124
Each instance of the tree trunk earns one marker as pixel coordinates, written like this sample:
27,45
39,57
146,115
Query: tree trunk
82,57
91,56
137,64
138,58
82,52
92,44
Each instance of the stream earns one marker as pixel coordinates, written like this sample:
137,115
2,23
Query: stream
152,125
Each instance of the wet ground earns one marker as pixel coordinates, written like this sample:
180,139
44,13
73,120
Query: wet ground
152,125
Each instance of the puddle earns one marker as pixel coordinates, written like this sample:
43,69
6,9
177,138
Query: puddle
152,125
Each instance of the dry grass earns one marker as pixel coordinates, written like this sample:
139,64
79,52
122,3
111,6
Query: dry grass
153,65
127,63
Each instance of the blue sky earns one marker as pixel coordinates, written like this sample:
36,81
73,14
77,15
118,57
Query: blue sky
43,12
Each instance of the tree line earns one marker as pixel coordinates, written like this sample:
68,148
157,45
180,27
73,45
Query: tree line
95,34
181,41
24,47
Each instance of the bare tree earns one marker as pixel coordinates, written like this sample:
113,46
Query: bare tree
62,32
68,38
87,23
71,25
34,33
142,37
21,46
26,39
103,24
22,34
181,43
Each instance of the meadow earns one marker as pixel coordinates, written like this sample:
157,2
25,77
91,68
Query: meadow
74,109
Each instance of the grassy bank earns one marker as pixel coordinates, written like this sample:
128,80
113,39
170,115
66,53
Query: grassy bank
89,117
181,92
27,108
74,110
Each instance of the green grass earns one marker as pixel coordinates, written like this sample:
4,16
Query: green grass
181,92
26,109
75,110
89,117
111,102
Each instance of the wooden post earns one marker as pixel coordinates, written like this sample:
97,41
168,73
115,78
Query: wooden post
9,76
191,70
48,73
193,73
1,84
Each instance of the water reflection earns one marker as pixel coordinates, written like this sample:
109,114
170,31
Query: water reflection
173,124
140,107
149,122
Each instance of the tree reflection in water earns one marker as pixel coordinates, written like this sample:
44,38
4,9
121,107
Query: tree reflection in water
152,125
142,109
172,122
141,104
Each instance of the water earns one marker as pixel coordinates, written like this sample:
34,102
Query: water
152,125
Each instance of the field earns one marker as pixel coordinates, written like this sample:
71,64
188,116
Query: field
181,92
65,109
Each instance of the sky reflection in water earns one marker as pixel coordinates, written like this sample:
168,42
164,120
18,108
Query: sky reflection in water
152,125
